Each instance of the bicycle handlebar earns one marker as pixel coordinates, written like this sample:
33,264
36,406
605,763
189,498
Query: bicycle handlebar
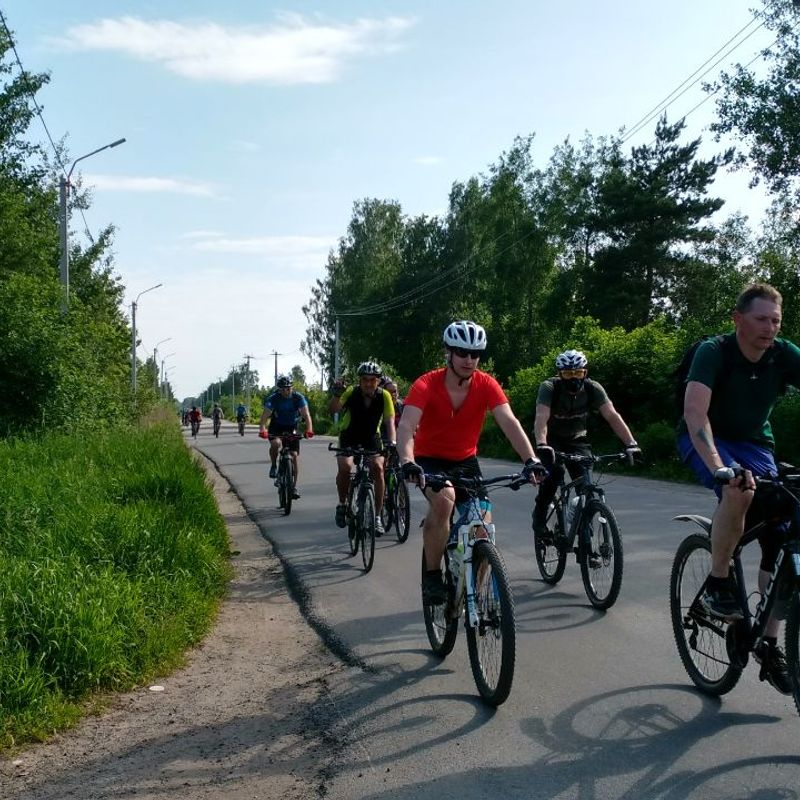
352,451
588,460
438,480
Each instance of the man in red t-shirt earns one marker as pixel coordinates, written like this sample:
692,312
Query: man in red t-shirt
439,430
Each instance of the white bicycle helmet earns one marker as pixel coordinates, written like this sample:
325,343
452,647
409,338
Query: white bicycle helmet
466,334
369,368
571,359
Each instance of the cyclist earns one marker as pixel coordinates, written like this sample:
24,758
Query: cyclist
195,416
283,409
442,419
217,413
365,406
241,412
563,405
731,388
390,386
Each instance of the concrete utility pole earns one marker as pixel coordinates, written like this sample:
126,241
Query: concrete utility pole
133,335
249,381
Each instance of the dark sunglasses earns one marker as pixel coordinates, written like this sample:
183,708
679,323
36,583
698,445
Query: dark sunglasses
462,353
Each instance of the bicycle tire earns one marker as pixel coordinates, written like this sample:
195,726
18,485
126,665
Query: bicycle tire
702,642
551,559
279,482
492,645
366,523
441,622
792,642
241,428
603,581
288,487
387,509
216,429
352,527
402,511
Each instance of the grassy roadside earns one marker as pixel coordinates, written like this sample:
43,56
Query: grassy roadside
113,560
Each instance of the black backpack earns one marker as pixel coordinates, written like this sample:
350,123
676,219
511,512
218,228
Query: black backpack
727,345
558,388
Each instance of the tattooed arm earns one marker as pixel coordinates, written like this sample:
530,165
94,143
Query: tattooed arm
695,412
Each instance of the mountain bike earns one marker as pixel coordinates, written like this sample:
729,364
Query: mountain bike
580,521
361,517
286,476
714,652
476,579
241,426
217,423
396,503
195,427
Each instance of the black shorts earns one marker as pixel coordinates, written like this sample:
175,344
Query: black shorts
368,442
468,468
275,431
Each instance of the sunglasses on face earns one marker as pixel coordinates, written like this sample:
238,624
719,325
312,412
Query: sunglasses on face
572,373
462,353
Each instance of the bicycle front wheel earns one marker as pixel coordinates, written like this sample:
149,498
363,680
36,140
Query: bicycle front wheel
703,643
492,644
352,523
402,510
550,558
601,558
366,523
287,486
441,621
793,647
387,509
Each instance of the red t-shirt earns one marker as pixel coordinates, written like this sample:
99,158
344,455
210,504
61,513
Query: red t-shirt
443,431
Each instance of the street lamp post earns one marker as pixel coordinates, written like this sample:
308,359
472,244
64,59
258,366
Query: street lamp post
163,360
63,221
133,336
155,359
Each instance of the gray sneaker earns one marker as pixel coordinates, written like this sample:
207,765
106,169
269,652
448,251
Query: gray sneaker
720,603
773,666
379,529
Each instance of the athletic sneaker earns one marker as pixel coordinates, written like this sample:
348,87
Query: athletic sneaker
295,494
773,665
273,471
718,601
341,515
433,589
379,529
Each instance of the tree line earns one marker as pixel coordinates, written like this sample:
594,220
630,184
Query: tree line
623,253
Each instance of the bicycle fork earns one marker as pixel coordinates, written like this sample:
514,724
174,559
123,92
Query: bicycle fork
461,556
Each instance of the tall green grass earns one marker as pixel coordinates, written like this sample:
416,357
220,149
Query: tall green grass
113,558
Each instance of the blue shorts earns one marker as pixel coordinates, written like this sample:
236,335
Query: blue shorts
757,458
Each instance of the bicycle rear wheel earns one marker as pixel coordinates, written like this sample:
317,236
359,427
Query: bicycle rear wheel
366,524
281,483
550,558
703,643
441,622
793,647
492,644
402,511
387,510
601,556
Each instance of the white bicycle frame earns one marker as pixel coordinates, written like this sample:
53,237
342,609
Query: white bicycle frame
463,537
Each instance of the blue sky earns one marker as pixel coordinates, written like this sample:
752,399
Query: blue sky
252,127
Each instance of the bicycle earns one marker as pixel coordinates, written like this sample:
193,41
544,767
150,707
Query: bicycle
240,421
396,503
195,427
476,580
361,516
286,476
217,424
579,512
715,652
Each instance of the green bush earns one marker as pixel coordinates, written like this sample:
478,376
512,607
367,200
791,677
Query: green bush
112,561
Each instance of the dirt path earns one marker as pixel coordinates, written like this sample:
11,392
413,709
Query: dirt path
246,718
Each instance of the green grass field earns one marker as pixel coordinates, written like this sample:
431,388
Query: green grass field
113,560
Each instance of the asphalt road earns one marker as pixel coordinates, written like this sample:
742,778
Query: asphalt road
600,707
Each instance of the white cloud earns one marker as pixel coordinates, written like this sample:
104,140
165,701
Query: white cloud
295,50
428,161
269,246
125,183
243,146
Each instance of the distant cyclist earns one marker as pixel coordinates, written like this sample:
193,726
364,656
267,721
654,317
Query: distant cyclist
390,386
365,406
217,413
241,412
195,417
563,405
284,409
